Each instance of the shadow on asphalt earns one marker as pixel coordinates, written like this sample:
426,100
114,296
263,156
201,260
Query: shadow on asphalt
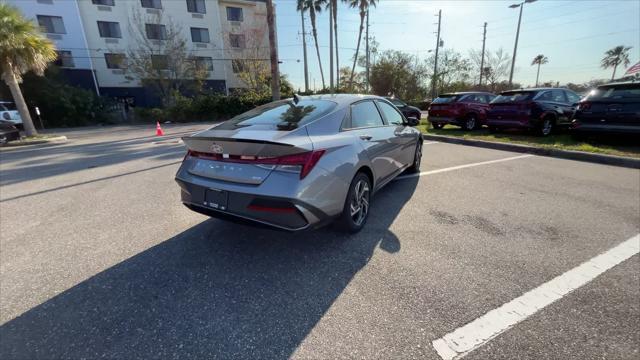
216,290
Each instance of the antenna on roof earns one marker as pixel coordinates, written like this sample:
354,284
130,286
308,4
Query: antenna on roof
296,98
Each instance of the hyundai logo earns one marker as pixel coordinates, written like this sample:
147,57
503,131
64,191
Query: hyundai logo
216,148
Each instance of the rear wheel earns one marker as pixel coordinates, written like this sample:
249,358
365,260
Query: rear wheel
470,122
356,206
546,127
417,158
437,125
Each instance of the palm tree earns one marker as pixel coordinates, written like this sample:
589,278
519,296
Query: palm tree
614,57
22,49
364,6
539,60
314,7
334,4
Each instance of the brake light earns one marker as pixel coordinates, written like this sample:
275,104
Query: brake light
303,162
585,105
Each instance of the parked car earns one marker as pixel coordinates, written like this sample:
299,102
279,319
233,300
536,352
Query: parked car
538,109
407,110
465,109
8,132
299,163
9,112
611,108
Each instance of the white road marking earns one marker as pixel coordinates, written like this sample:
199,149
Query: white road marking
463,166
471,336
431,142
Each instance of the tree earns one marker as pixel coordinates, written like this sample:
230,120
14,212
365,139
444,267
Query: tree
364,6
251,60
314,7
453,71
397,73
614,57
22,49
539,60
496,66
163,64
273,52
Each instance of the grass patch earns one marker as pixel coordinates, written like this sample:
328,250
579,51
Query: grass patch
621,146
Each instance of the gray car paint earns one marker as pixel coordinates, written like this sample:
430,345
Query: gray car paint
322,193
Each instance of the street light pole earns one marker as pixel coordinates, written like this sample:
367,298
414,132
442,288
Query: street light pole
434,80
515,47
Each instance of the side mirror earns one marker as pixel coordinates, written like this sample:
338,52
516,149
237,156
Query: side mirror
413,121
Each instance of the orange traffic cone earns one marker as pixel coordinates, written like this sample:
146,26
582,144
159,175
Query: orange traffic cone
159,131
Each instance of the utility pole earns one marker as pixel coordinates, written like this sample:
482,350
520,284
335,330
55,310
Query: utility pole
435,66
304,53
367,49
331,48
484,40
273,47
515,47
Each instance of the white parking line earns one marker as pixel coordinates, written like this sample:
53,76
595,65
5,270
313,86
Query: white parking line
431,142
463,166
471,336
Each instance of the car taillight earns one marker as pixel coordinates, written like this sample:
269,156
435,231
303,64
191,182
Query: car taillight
585,105
302,162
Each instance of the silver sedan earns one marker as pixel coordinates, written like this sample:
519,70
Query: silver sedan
299,163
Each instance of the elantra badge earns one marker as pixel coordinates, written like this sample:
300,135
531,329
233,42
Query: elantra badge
216,148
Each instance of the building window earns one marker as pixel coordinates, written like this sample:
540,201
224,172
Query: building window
203,63
160,62
109,29
238,66
234,13
236,41
152,4
115,61
200,35
196,6
51,24
156,31
64,59
103,2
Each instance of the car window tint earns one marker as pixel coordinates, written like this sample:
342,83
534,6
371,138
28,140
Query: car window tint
573,98
364,114
629,92
396,102
558,96
545,96
390,114
513,96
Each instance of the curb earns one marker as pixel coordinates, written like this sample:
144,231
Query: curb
562,154
55,139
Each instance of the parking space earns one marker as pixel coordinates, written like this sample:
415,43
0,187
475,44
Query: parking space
108,263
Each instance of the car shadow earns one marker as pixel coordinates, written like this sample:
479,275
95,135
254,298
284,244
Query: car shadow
216,290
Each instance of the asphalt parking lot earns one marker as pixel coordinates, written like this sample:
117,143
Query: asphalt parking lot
98,259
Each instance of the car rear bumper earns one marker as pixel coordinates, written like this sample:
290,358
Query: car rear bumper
444,120
7,136
282,201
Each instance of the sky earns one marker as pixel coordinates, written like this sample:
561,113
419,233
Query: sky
573,34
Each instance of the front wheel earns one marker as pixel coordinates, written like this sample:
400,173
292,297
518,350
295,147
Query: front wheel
470,122
356,207
417,159
546,127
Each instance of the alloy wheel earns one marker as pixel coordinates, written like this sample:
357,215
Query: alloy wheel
359,207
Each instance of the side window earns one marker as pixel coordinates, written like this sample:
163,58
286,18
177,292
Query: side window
365,114
558,96
572,97
545,96
489,98
390,114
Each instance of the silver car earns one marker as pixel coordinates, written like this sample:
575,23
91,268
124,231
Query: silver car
299,163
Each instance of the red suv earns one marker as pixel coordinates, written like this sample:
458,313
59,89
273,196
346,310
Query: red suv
465,109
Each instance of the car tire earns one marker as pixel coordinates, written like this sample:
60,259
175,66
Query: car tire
437,125
546,128
358,200
470,122
417,159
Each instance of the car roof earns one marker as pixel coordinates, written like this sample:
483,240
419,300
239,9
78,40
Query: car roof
467,93
341,99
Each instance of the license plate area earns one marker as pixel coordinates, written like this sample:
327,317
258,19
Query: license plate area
216,199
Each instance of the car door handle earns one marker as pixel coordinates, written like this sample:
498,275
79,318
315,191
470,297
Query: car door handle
365,137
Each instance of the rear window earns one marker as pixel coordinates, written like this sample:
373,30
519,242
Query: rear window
513,96
7,106
628,92
446,99
281,115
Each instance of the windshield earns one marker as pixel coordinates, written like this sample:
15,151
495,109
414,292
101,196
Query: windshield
626,92
446,99
513,96
396,102
283,115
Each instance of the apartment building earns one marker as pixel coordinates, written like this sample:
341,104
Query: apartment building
97,38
